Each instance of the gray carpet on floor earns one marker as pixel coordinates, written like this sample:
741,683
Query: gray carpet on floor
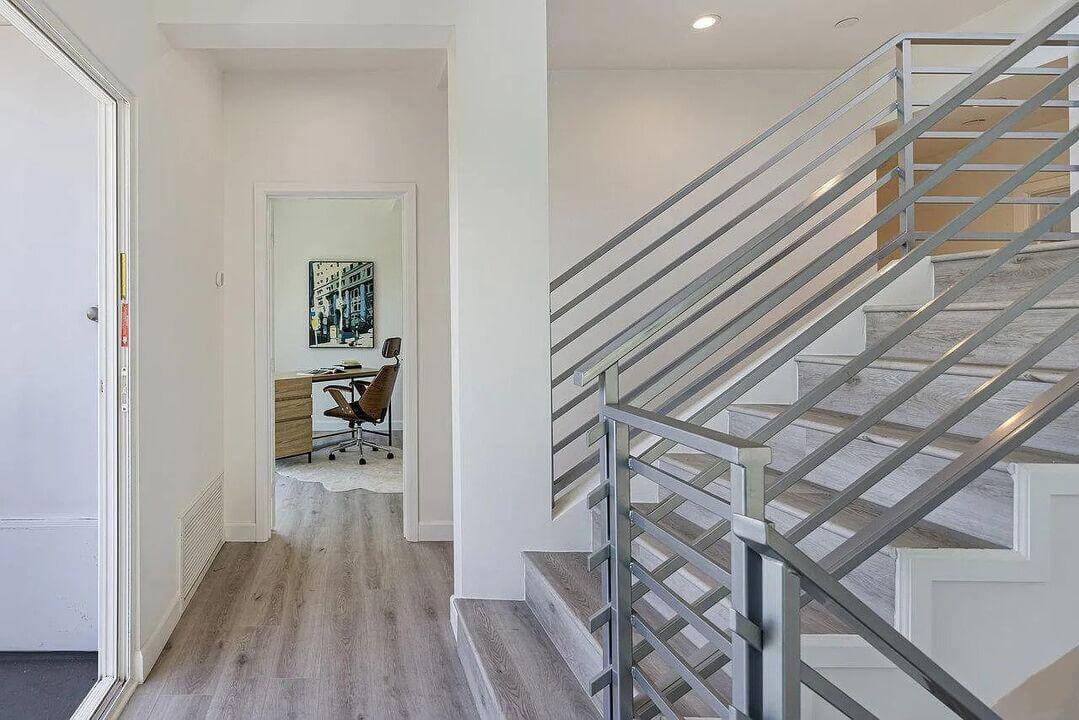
45,685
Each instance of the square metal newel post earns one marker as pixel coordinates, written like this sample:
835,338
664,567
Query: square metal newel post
766,678
616,468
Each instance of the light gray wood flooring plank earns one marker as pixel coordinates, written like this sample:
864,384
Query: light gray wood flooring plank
336,617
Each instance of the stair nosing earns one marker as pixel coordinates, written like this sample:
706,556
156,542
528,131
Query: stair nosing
1033,248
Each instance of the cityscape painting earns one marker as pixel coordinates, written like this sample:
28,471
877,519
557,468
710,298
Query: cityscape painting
341,303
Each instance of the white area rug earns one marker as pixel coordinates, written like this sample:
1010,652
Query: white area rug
345,473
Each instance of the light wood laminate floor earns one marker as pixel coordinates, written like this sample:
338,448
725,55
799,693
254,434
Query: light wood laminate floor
336,618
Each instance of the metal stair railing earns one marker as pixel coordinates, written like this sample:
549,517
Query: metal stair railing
745,266
769,579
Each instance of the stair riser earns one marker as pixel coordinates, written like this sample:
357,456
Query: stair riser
582,653
949,328
871,385
482,693
983,509
1012,280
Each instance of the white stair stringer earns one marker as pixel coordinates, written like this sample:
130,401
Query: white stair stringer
991,618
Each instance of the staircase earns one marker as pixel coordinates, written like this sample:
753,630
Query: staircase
837,494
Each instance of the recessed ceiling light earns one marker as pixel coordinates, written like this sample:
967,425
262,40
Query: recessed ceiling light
705,21
846,23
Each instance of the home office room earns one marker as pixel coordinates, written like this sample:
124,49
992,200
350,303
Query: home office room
337,331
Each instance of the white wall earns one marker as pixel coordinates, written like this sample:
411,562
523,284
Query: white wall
177,336
49,184
334,229
335,129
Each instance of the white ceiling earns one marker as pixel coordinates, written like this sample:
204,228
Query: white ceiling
753,34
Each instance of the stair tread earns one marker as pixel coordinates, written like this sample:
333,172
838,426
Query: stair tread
568,576
805,498
815,620
947,446
522,668
976,306
1046,375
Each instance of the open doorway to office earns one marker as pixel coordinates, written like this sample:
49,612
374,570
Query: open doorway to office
338,386
65,520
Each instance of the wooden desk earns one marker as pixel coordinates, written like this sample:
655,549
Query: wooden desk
292,409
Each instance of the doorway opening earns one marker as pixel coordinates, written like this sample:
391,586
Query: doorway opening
338,316
66,520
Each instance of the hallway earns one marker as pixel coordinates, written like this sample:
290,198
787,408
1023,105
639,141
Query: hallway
337,616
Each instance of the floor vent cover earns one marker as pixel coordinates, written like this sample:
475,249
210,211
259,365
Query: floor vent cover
202,532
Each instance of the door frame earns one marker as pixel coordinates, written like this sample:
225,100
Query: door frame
405,193
117,485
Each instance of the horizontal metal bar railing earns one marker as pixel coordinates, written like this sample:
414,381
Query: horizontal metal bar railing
729,225
851,303
745,180
681,302
727,161
727,293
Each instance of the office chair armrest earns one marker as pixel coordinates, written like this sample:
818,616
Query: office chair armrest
361,385
339,397
343,388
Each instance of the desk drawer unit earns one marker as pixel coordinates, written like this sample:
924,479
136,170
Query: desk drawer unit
292,416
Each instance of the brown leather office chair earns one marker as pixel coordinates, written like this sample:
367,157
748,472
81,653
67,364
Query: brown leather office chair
371,406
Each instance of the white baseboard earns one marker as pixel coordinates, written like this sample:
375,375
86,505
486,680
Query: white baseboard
240,532
151,649
435,531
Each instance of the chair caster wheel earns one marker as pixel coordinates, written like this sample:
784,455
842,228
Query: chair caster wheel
389,456
332,456
363,461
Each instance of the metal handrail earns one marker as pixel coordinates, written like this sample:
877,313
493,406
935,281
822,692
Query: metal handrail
682,301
